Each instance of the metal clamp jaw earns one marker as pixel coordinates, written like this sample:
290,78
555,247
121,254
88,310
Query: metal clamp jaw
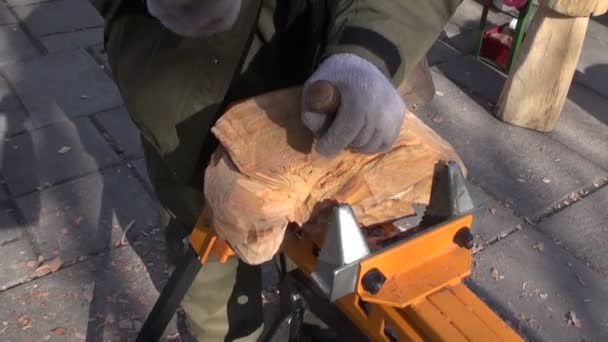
394,293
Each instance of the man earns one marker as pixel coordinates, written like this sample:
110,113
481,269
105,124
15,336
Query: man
179,63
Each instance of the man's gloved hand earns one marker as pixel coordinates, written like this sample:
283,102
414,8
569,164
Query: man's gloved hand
195,17
371,110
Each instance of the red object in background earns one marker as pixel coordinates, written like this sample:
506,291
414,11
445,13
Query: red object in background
515,3
496,45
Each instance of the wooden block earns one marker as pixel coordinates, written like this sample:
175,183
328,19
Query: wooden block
577,8
267,174
536,89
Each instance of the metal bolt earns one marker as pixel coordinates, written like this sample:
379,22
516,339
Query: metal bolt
464,238
373,280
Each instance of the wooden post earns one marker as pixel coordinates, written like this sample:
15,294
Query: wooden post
538,84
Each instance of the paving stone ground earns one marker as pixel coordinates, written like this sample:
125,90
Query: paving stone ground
75,194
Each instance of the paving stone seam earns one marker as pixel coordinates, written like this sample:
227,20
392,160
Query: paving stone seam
70,179
572,198
503,311
67,120
142,236
81,29
531,225
577,256
121,154
38,45
99,61
587,87
33,2
19,218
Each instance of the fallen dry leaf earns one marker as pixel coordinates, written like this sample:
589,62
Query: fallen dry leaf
494,273
59,331
573,319
492,211
25,322
543,295
50,266
80,336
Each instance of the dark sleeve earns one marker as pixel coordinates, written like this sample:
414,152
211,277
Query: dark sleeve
394,35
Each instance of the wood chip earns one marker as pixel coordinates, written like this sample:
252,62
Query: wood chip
546,180
50,266
64,149
580,280
543,295
494,273
59,331
437,119
439,93
123,239
80,336
492,211
540,246
573,319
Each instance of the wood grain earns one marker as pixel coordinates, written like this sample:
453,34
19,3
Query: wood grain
577,8
536,89
266,174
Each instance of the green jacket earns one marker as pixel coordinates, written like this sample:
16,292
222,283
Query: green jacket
175,87
392,34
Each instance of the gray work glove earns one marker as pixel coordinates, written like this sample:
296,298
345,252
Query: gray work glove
370,114
195,17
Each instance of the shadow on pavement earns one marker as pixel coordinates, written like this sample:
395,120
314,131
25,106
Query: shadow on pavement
78,195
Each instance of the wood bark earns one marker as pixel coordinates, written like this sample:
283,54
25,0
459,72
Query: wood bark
536,89
267,174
